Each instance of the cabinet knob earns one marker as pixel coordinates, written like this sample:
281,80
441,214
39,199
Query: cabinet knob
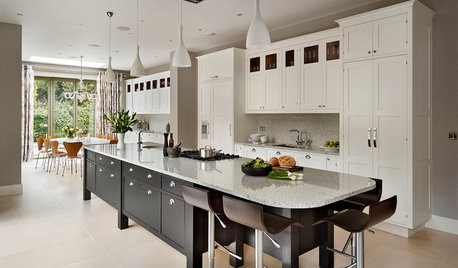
319,105
131,184
111,163
100,170
171,201
369,52
172,184
100,158
111,175
131,169
308,156
327,158
149,176
323,105
149,192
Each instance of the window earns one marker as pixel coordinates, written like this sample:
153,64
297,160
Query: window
53,112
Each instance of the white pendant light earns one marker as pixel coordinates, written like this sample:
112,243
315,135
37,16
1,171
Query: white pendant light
258,36
137,67
181,57
109,74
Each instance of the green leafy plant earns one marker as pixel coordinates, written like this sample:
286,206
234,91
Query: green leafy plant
70,131
121,122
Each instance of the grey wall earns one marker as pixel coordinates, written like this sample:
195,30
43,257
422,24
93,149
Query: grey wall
10,104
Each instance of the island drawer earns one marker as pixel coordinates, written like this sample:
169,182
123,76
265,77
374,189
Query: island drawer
90,175
173,218
143,201
90,155
142,173
172,185
108,185
107,161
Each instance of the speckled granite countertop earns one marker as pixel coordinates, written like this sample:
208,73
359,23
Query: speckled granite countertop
312,149
317,188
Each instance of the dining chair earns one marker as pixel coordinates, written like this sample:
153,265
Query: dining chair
55,155
40,141
46,150
101,136
72,149
109,138
84,135
114,141
54,137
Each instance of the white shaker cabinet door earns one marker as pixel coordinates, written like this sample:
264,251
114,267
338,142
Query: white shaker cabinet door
390,151
357,41
333,90
312,86
223,114
310,160
256,91
357,114
274,152
390,35
273,90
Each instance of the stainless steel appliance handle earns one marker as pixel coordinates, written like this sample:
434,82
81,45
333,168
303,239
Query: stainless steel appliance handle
369,137
375,137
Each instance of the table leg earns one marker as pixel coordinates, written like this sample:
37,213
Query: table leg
237,246
327,238
290,247
123,221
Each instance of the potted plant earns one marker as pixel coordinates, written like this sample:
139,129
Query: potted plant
121,122
70,131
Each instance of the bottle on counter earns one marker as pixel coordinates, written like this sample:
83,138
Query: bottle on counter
166,135
171,141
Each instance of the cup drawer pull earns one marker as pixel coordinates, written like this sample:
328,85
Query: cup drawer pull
149,192
131,169
172,184
149,176
171,202
308,157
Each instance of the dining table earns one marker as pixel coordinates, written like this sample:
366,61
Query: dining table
84,140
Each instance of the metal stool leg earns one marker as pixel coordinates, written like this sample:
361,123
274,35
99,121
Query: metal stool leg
360,249
353,247
211,239
259,248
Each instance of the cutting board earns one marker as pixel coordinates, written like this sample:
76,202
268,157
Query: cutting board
290,169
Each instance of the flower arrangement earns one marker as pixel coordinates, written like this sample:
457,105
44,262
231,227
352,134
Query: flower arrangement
121,122
70,131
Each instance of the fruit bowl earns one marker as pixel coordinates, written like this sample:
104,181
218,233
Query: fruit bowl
256,171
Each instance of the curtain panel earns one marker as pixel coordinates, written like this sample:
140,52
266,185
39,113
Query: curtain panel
27,113
109,96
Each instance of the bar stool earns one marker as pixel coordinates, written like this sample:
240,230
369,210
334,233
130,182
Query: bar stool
253,216
212,202
356,222
359,202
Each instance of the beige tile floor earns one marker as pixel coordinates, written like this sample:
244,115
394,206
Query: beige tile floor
49,225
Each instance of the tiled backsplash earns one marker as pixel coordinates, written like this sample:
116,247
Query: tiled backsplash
321,127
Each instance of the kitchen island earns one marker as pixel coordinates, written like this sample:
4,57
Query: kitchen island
146,187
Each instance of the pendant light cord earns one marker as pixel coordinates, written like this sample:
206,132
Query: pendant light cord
137,22
181,13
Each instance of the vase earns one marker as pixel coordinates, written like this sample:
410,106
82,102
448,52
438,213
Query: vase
166,143
120,144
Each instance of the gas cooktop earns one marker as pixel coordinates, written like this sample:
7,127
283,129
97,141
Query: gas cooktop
195,154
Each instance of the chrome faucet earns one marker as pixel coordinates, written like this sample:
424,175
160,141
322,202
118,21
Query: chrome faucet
307,140
140,137
299,140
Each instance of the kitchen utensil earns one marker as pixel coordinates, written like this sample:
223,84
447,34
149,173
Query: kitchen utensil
173,152
166,143
208,152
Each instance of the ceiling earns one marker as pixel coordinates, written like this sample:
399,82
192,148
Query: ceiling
65,29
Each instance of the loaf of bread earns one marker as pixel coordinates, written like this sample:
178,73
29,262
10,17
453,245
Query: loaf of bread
286,161
273,161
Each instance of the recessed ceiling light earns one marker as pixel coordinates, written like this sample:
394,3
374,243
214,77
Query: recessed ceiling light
69,45
210,34
117,51
123,28
200,30
239,14
93,45
72,57
59,53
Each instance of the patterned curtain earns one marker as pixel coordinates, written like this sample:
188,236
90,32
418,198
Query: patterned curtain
27,112
108,100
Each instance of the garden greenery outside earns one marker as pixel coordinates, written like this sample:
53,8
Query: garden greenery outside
49,96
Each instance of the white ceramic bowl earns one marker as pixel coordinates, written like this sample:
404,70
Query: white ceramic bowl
255,137
264,139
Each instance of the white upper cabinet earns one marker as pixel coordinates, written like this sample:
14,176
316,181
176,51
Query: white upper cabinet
149,94
216,68
376,38
291,83
300,75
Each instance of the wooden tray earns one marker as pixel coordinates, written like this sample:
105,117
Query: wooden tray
290,169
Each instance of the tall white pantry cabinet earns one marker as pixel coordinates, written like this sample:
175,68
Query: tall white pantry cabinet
386,109
221,100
